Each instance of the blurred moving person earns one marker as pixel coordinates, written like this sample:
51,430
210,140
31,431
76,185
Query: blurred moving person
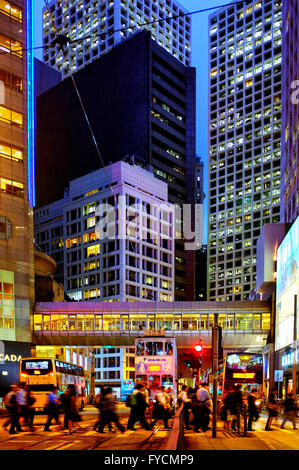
72,412
52,409
290,411
184,398
273,408
30,408
10,401
161,411
108,414
252,408
138,407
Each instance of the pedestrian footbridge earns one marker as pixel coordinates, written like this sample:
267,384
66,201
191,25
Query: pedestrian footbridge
244,323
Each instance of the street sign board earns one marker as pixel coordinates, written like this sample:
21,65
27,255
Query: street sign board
278,375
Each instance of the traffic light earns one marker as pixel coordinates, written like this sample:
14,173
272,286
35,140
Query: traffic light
198,356
187,363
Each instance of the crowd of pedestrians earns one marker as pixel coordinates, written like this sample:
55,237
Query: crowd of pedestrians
197,408
19,403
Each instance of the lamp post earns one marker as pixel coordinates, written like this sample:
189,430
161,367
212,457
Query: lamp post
215,348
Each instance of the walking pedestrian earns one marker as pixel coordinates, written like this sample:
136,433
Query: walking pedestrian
52,409
233,402
30,406
108,414
100,403
138,406
290,411
12,408
161,407
272,409
72,412
21,398
202,408
184,398
252,408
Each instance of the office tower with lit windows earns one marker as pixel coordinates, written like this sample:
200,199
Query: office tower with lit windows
101,24
290,113
145,106
244,141
16,185
135,259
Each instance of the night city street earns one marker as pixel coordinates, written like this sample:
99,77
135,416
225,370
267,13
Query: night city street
87,439
149,229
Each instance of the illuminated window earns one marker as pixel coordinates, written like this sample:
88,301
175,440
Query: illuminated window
11,152
11,187
9,9
93,250
11,117
10,46
91,222
11,81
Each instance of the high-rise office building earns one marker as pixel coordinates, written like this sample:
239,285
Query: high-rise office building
140,101
244,141
134,259
16,183
106,23
290,113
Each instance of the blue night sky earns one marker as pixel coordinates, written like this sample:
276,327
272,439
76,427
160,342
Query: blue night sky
199,60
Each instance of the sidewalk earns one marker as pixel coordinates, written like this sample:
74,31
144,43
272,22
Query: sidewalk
225,440
232,440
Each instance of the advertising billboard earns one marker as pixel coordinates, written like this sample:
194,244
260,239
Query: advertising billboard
287,286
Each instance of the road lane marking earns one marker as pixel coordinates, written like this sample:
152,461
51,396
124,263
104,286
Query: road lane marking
58,444
71,444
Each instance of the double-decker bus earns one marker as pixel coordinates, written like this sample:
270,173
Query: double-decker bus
156,362
245,369
41,374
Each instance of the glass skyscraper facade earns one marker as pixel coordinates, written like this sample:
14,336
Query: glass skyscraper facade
16,171
104,24
290,113
244,141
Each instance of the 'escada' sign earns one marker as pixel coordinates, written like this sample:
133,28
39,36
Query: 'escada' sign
10,358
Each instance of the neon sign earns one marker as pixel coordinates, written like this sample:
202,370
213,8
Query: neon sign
30,104
246,375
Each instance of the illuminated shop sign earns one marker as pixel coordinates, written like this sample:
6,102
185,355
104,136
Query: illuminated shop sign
288,359
246,375
9,358
287,286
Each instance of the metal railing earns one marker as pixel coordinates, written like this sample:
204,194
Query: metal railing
176,437
242,420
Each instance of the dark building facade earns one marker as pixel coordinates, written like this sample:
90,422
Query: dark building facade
140,101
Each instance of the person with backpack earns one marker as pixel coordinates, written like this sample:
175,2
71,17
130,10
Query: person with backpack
138,405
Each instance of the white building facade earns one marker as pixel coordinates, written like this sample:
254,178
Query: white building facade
114,232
